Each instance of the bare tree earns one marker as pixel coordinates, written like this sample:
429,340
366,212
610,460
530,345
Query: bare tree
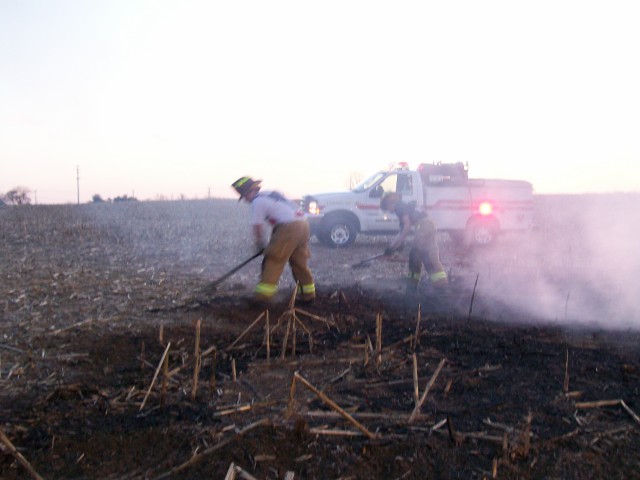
18,196
354,179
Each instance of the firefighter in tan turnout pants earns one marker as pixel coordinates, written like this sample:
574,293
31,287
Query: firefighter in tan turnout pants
424,249
289,240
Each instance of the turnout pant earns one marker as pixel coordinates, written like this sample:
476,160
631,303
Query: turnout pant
424,251
289,243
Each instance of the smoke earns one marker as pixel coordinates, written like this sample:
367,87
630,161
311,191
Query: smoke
580,266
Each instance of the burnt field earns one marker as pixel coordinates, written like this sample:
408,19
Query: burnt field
118,361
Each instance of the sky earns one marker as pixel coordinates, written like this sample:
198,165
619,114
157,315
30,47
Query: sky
177,99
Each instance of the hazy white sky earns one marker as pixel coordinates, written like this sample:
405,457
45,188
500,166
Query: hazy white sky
182,97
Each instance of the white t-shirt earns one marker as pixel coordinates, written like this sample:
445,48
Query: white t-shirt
274,208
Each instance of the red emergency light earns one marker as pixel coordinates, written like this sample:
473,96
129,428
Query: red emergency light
485,209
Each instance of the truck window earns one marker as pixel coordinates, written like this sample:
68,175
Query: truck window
398,183
389,183
372,180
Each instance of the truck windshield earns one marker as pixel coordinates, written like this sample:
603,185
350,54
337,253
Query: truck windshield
369,182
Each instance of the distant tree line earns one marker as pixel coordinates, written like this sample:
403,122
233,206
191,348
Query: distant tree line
22,196
124,198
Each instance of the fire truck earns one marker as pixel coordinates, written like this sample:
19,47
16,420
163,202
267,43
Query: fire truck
474,212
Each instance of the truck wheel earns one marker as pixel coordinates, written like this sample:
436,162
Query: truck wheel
338,233
482,232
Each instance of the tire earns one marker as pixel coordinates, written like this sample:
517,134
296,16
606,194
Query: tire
482,233
338,233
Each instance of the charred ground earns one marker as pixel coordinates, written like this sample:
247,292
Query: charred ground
93,296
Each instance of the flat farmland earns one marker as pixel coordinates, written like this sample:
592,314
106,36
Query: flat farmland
118,360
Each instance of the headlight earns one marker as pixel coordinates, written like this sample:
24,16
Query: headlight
313,208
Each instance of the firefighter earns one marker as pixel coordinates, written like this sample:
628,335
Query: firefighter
424,249
289,241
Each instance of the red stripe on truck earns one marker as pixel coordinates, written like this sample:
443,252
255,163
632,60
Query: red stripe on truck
367,206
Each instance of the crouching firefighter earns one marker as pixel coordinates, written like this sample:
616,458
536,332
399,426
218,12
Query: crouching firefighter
289,241
424,249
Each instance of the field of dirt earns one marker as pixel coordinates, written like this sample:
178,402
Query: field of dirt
119,361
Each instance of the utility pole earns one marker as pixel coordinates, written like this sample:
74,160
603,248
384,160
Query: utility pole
78,181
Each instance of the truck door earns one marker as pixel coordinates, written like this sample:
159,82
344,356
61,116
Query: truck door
397,182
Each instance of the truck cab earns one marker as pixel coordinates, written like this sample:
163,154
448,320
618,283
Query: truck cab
472,211
337,218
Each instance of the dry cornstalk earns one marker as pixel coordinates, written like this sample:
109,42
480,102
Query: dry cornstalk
629,411
327,322
165,378
231,411
378,339
292,393
333,405
526,436
294,335
246,330
212,381
69,327
389,415
333,432
439,425
416,410
609,403
18,456
498,426
505,444
453,435
203,354
565,386
286,339
199,457
234,376
161,334
235,471
197,360
416,389
410,340
291,314
267,335
574,394
447,387
417,334
367,348
142,359
12,349
473,295
292,321
598,404
155,375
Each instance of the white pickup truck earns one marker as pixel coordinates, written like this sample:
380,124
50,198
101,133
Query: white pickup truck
471,211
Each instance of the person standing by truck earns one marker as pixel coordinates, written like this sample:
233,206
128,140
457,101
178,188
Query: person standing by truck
289,240
424,249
